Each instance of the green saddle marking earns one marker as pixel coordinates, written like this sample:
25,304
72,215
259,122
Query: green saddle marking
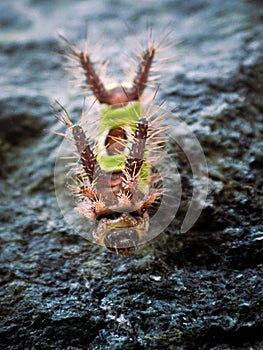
111,118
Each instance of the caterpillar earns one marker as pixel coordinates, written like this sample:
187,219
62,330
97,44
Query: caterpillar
115,182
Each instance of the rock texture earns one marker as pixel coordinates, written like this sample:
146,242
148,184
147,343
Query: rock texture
198,290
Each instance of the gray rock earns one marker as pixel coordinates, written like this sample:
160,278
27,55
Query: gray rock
197,290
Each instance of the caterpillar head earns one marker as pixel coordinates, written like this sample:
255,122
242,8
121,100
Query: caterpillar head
121,234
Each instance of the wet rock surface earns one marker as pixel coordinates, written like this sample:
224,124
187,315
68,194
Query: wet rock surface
197,290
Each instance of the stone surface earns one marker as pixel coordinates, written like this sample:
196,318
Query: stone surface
198,290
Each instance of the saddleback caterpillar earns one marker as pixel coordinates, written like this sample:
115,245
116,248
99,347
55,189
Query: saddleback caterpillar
115,183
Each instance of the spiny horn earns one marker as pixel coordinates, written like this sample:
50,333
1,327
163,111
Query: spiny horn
87,157
140,81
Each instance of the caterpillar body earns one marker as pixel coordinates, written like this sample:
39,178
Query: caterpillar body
116,184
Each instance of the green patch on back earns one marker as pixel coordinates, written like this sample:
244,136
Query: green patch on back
112,118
